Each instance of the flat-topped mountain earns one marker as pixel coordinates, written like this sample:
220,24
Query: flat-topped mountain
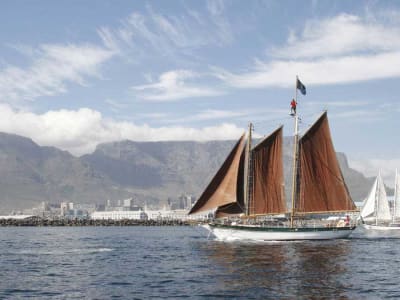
150,172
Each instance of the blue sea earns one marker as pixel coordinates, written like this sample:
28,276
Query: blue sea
183,262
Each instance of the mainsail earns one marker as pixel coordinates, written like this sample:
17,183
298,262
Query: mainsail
267,195
382,204
320,183
225,190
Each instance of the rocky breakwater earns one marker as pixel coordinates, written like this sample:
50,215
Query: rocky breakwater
37,221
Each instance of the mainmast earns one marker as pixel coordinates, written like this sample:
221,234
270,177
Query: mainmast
295,156
247,172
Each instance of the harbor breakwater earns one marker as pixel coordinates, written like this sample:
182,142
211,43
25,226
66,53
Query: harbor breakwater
37,221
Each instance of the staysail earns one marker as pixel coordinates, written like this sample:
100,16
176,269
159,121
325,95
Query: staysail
368,209
376,206
268,189
224,191
320,184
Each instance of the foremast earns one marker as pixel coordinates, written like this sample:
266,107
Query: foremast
248,173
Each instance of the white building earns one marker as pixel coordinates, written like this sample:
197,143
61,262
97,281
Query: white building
16,217
178,214
119,215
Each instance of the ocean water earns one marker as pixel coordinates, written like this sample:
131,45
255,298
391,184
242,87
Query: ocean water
181,262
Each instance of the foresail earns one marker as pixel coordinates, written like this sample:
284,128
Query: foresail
368,209
268,179
223,188
235,208
383,210
232,209
321,186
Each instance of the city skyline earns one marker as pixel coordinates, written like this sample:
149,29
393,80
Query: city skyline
75,74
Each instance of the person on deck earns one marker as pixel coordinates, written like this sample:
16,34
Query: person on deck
293,105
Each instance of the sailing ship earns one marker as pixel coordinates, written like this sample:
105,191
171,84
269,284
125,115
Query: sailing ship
248,197
375,213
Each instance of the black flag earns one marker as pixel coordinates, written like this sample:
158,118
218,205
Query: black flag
301,87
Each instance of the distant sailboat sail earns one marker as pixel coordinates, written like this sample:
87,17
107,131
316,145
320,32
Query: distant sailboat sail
376,206
320,183
224,192
396,206
383,210
368,208
268,189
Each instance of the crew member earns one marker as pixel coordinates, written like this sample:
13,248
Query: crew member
293,105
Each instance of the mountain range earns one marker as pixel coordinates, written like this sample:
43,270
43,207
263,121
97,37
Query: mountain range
150,172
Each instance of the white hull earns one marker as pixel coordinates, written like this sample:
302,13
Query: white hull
231,233
381,227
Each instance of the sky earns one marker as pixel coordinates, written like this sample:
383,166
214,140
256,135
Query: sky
77,73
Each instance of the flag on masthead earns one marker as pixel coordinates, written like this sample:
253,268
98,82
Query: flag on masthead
300,86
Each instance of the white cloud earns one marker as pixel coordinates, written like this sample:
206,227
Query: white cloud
151,32
338,70
339,50
340,35
80,131
173,86
212,114
52,67
205,115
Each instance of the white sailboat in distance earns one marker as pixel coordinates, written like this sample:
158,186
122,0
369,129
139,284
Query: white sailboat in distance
376,213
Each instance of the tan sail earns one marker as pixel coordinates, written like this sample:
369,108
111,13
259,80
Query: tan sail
268,189
227,185
321,187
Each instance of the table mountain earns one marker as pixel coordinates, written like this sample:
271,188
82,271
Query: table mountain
150,172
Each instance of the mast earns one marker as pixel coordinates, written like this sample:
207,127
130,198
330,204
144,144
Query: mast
394,198
377,195
247,172
295,156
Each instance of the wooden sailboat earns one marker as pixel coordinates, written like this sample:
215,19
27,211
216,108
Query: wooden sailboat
375,213
250,186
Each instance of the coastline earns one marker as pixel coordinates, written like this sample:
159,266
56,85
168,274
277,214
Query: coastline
38,222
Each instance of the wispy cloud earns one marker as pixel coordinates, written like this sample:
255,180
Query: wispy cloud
52,66
350,103
339,50
80,131
340,35
223,30
359,114
212,114
175,85
341,70
153,32
206,115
